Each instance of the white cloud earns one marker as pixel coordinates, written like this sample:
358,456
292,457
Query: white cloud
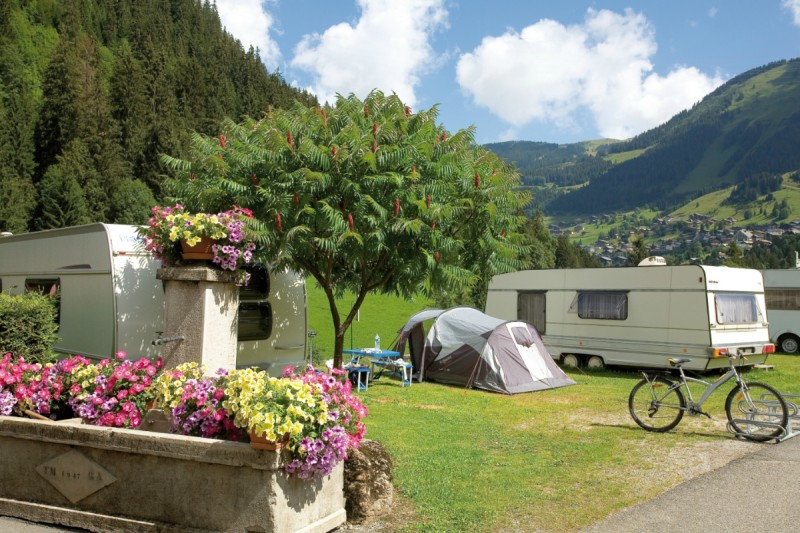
712,12
794,8
551,72
248,21
387,48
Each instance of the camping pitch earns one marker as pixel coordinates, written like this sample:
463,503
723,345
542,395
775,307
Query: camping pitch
467,347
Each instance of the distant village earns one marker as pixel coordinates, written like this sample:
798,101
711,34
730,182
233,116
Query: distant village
699,231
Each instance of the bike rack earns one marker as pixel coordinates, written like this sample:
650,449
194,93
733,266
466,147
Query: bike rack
792,428
793,425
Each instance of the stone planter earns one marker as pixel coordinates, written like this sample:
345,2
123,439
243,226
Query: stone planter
104,479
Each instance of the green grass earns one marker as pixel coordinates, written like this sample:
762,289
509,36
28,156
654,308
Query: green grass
557,460
711,205
380,314
623,156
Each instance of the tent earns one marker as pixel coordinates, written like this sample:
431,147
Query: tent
467,347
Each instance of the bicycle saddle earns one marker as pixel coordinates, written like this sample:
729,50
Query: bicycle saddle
678,362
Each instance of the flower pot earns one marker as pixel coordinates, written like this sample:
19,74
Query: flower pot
200,251
260,442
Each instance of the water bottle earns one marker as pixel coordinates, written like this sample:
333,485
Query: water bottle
377,342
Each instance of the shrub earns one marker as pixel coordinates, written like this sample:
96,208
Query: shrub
28,326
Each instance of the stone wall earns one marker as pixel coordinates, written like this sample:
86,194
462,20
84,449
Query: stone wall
104,479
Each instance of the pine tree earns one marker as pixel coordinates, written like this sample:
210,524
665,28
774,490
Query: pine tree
61,201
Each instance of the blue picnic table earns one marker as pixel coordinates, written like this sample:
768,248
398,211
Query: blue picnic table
382,360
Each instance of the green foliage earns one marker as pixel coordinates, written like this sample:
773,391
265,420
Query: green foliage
61,201
638,253
364,196
28,326
125,80
569,255
131,202
751,188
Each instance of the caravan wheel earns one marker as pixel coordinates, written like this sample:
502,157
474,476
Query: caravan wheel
789,344
595,362
570,360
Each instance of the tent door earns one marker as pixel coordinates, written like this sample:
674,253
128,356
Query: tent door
529,352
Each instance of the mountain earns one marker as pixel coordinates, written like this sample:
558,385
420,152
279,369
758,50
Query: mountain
746,129
93,92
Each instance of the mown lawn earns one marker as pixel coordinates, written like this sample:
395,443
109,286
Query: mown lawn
550,461
557,460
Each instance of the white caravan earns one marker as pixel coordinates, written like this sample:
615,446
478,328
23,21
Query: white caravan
639,316
782,290
110,299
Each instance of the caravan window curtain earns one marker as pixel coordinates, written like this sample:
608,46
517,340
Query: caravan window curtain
783,299
737,308
603,305
531,307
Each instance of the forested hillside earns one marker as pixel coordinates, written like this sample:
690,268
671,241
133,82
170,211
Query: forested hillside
92,91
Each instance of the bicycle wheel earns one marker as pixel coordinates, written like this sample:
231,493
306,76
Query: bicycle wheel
757,412
656,405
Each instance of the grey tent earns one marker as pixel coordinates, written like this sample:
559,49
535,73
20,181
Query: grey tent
467,347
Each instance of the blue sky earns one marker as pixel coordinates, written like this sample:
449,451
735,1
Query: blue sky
538,70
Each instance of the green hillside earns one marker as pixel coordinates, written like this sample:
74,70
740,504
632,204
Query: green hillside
754,213
748,126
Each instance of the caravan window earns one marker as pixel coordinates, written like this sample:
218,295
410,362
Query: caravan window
255,321
603,305
49,287
531,308
737,308
783,299
255,312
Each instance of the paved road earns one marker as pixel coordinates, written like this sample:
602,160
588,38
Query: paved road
759,492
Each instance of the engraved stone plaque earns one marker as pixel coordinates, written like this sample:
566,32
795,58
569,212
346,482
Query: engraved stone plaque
75,476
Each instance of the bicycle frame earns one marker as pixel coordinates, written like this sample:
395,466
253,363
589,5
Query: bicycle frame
710,386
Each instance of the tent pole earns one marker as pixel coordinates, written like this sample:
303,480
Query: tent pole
472,374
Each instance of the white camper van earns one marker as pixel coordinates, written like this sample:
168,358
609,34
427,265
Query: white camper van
782,291
110,300
639,316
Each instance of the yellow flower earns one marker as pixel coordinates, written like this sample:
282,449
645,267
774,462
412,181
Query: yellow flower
285,428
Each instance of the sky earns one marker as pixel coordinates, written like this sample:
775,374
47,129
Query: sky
558,71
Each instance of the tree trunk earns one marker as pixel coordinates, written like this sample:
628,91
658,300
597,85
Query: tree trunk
338,346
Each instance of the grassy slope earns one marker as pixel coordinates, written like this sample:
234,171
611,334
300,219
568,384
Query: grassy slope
711,204
754,97
379,314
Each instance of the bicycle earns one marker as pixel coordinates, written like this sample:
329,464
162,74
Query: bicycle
756,411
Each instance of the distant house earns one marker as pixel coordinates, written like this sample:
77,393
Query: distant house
743,236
